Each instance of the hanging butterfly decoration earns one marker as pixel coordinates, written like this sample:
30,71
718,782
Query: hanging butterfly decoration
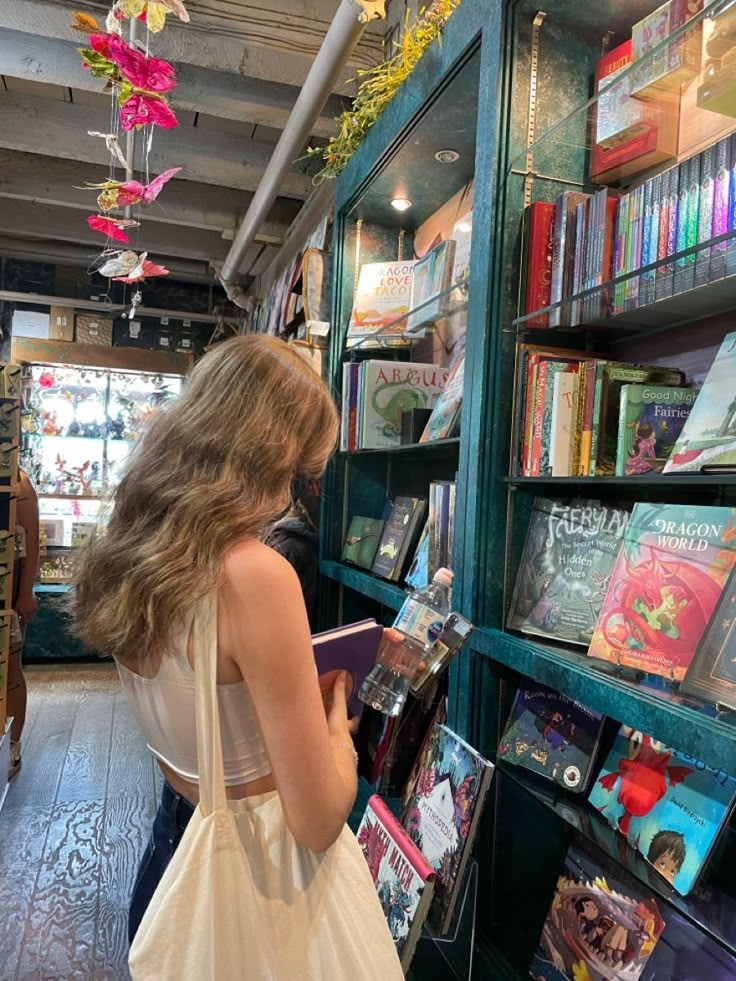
114,228
151,12
123,194
129,267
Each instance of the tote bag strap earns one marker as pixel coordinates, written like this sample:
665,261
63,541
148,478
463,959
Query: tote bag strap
212,796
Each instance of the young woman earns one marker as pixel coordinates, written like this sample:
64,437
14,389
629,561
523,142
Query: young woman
211,473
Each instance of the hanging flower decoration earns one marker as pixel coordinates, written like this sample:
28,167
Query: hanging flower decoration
143,270
151,12
122,194
114,228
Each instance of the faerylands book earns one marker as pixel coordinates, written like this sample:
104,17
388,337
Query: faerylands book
665,586
404,880
602,925
442,814
712,671
568,558
552,735
669,806
352,649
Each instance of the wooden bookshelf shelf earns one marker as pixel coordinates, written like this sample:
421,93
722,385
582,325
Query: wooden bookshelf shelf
363,582
701,731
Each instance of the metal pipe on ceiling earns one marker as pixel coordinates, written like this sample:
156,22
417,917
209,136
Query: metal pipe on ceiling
349,22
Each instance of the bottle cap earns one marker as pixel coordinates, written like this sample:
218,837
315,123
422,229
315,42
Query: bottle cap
443,577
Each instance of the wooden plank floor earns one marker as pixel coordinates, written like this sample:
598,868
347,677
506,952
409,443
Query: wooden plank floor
73,827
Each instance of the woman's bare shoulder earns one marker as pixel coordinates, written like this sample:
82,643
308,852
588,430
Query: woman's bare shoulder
258,569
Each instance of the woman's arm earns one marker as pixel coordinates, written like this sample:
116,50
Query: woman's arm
263,628
26,604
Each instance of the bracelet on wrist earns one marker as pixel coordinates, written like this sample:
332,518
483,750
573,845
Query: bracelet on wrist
349,747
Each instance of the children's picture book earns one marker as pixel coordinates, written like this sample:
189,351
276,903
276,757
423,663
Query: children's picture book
651,418
712,672
421,291
399,534
361,542
352,649
383,296
708,438
669,806
391,388
602,925
404,880
442,814
446,413
568,558
553,735
668,578
418,574
687,953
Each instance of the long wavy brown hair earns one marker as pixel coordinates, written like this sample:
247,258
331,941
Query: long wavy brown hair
212,469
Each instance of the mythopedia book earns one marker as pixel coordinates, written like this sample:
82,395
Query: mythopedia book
404,881
708,438
361,542
712,671
665,586
669,806
570,551
650,419
602,925
550,734
382,297
391,388
442,814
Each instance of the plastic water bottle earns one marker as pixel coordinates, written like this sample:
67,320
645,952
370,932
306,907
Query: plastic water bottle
404,646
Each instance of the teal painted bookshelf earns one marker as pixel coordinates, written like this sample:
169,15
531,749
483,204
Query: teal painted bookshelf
524,81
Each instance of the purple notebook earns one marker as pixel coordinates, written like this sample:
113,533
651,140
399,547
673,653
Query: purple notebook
351,648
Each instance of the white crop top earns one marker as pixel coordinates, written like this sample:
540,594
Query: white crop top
164,709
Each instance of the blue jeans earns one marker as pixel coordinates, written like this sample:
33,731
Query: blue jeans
172,817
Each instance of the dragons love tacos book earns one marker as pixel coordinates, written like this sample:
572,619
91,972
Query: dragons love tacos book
665,586
601,926
669,806
383,296
404,880
390,388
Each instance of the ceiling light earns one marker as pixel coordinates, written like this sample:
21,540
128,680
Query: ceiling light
464,226
401,204
447,156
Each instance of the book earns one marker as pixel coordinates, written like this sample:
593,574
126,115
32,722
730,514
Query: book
361,541
601,925
564,402
705,216
390,388
721,192
418,574
442,814
349,418
403,879
552,735
665,586
660,76
446,412
462,234
383,297
439,718
559,285
708,437
421,291
442,270
398,537
651,418
352,649
439,525
687,953
540,246
647,280
712,671
669,806
568,558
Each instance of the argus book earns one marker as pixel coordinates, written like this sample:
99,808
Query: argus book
601,926
712,671
651,418
708,438
388,390
442,814
404,880
669,806
383,296
665,586
570,551
550,734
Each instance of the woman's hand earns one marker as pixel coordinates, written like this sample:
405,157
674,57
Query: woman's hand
337,716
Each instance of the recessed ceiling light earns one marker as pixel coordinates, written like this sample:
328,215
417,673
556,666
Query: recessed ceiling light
401,204
447,156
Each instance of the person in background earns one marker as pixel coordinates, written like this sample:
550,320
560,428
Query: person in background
295,537
24,607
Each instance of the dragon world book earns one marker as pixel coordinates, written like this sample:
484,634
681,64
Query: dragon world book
442,814
712,672
667,581
650,420
404,880
669,806
601,926
552,735
568,558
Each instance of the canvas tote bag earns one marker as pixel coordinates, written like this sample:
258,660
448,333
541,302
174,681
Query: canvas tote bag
241,899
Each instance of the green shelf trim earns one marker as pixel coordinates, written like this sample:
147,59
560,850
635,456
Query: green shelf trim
677,722
708,481
715,915
363,582
436,445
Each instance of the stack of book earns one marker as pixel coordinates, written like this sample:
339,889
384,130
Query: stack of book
382,546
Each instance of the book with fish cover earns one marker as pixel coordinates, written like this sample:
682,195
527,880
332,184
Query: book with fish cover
712,671
669,806
570,551
552,735
602,925
665,586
